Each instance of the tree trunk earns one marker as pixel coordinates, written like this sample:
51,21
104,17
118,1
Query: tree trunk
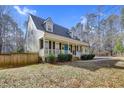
0,39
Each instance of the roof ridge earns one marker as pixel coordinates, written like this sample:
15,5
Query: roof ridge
38,17
57,29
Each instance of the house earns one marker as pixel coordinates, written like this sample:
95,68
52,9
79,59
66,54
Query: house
46,37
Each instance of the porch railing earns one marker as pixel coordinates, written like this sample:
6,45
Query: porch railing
57,51
52,51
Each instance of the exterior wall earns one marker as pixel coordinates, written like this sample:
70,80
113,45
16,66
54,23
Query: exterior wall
32,38
85,50
39,35
29,36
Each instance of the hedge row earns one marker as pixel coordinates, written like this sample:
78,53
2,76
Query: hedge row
67,57
64,57
87,56
61,57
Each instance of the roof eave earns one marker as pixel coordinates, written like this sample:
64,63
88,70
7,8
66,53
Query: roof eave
62,38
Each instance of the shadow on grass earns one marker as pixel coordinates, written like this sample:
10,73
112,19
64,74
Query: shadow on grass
95,64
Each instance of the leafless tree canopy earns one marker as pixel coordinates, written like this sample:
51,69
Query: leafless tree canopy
103,31
11,36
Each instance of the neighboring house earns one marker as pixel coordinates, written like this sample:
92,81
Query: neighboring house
46,37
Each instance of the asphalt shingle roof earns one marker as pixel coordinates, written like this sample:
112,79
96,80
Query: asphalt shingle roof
57,29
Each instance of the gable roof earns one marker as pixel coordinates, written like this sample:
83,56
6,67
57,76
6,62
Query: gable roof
57,29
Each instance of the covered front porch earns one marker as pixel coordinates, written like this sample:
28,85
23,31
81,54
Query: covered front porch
54,44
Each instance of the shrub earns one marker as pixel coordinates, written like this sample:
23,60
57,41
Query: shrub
69,57
61,57
83,57
90,56
87,56
51,58
64,57
93,55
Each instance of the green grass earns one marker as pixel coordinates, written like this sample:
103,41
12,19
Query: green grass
72,74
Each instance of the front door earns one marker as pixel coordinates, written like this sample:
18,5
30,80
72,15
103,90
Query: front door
66,48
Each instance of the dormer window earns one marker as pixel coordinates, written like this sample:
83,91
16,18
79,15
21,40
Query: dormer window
49,27
49,24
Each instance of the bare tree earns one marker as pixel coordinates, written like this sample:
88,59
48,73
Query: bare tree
3,10
11,36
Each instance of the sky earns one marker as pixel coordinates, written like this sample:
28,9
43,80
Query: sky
65,15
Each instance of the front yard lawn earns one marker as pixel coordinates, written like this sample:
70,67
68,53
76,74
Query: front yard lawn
72,74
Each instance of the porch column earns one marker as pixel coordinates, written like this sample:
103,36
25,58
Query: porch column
76,50
81,49
48,47
51,47
43,43
43,49
68,47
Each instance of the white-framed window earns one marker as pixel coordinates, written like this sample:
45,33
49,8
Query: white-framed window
46,44
49,27
41,43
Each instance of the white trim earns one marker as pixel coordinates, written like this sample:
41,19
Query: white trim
68,47
63,39
33,22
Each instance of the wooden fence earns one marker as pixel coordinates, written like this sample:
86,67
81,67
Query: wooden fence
16,59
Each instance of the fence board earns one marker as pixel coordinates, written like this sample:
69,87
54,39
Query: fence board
18,59
7,60
2,59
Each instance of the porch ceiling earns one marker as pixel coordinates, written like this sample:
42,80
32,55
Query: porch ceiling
58,38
